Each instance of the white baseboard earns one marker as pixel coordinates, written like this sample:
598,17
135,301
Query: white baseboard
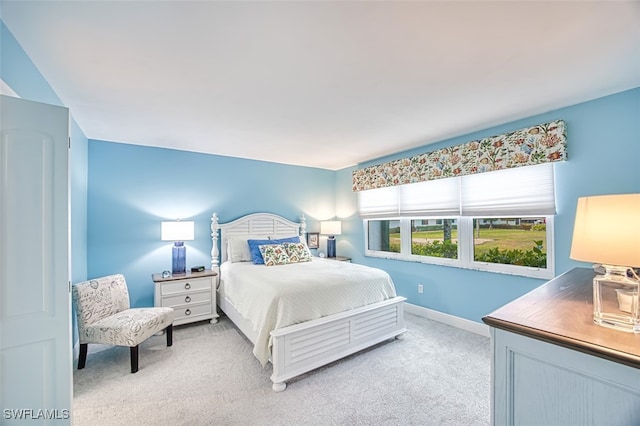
465,324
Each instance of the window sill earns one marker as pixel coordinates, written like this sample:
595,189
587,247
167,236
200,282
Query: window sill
521,271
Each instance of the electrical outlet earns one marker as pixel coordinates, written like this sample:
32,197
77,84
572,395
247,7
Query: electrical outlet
420,289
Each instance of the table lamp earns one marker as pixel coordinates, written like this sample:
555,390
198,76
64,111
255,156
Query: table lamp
331,228
607,232
178,232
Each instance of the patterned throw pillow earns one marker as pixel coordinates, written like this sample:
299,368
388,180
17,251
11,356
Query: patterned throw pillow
274,254
298,252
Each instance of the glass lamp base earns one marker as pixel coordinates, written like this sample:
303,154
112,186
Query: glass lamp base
179,259
615,299
331,246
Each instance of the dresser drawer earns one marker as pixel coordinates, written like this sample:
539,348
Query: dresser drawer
190,313
186,285
186,299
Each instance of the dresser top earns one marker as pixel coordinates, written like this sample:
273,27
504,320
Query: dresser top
158,278
561,312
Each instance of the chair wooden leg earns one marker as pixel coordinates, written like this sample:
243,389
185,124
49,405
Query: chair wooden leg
134,358
169,331
82,356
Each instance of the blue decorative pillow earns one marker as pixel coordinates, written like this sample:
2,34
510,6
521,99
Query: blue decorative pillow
254,247
295,239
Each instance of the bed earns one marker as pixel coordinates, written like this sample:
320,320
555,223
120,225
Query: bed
303,314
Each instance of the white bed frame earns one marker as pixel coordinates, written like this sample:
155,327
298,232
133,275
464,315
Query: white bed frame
303,347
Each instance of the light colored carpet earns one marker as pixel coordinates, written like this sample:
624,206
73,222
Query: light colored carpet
436,375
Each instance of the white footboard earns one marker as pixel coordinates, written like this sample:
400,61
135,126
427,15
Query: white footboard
300,348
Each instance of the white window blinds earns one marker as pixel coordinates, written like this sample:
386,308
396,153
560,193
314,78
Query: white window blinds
520,191
379,202
431,198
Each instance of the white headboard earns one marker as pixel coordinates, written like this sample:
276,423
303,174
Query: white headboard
261,225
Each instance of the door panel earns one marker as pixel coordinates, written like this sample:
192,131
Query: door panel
35,306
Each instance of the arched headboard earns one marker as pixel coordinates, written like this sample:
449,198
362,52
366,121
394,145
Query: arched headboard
255,225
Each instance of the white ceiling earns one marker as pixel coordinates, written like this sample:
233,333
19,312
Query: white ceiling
322,84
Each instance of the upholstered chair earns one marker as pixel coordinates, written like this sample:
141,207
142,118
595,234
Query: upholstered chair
104,317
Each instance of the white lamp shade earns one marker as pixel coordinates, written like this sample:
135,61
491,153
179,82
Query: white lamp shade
331,227
177,231
607,230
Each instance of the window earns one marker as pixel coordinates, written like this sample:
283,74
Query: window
512,241
383,236
514,245
496,221
435,238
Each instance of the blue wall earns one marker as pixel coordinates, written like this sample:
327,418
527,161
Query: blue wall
133,188
604,150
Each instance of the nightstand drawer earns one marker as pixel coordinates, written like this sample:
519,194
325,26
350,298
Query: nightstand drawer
190,313
186,299
186,285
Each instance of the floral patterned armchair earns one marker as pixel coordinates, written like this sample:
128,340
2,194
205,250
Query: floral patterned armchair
104,316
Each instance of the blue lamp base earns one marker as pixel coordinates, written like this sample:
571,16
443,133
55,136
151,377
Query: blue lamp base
178,258
331,246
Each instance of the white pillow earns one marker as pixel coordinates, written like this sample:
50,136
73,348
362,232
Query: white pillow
238,249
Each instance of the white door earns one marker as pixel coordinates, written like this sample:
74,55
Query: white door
35,305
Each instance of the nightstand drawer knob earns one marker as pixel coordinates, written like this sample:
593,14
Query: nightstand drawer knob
187,312
187,299
187,286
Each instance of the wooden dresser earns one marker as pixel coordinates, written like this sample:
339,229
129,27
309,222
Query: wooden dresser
553,366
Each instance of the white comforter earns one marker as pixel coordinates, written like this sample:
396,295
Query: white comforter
274,297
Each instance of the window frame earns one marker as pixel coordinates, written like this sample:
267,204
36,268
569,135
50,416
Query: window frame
465,248
381,253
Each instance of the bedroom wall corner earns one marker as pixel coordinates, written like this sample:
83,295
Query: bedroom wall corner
347,212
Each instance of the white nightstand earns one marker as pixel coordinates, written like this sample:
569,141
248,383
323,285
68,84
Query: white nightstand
192,296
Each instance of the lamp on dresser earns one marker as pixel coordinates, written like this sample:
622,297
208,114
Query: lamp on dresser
178,232
607,233
331,228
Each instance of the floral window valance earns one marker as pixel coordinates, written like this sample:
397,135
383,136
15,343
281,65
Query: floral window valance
534,145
